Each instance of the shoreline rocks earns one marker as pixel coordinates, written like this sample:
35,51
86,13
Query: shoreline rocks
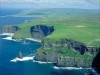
39,32
9,29
67,61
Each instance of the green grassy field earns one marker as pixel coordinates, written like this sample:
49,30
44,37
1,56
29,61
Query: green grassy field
78,25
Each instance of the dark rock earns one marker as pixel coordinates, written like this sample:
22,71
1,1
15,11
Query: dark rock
9,29
41,31
70,44
96,63
56,48
20,55
73,62
47,57
93,50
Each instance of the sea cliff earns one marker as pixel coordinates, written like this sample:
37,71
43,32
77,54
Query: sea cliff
9,29
67,53
39,32
63,53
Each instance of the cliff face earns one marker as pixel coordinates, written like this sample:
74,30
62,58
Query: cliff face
67,61
96,63
70,44
9,29
47,57
64,53
40,31
74,62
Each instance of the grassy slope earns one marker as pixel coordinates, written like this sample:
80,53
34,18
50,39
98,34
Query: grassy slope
67,25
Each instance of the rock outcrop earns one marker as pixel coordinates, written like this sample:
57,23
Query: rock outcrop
51,51
20,55
66,61
96,63
40,31
47,57
9,29
74,62
70,44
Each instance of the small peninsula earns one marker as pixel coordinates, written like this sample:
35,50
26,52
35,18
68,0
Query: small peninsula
69,38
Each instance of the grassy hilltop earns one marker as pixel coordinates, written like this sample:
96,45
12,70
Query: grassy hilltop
79,25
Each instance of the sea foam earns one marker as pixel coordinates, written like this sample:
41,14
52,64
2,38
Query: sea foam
32,39
23,59
40,62
7,34
69,68
8,38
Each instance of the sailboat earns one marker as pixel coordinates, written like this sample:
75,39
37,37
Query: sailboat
20,55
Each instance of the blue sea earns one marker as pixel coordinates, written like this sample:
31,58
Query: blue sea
9,51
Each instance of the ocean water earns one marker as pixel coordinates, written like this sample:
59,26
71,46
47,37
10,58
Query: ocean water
6,19
11,65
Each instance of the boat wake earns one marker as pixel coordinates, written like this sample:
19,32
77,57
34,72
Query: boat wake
27,58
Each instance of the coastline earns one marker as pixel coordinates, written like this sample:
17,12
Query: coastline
9,37
32,39
70,68
7,34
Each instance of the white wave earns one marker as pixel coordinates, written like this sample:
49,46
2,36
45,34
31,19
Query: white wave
11,34
32,39
24,42
23,59
8,38
40,62
17,40
7,34
69,68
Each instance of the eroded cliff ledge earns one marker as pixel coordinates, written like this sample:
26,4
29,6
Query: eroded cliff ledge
39,32
67,53
9,29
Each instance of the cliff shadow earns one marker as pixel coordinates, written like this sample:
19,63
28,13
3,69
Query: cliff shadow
41,31
96,62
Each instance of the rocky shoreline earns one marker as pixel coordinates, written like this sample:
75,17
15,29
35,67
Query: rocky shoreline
52,51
